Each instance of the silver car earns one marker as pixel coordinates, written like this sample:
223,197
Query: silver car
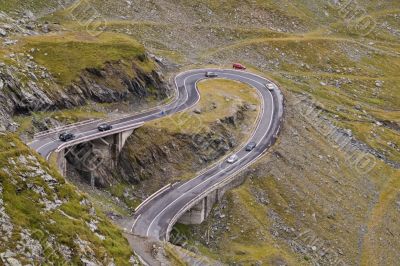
233,159
211,75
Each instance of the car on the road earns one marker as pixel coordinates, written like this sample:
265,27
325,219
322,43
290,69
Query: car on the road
104,127
251,146
66,136
239,66
232,159
211,75
270,86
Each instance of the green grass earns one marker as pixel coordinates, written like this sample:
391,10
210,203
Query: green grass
247,219
66,55
329,45
26,212
362,123
377,220
106,204
118,190
36,5
173,256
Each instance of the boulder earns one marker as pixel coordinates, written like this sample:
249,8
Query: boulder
3,32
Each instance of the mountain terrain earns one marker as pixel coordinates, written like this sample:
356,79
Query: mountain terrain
327,193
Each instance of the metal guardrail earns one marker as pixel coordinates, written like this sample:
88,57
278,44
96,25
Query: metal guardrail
98,135
89,121
227,179
216,186
66,127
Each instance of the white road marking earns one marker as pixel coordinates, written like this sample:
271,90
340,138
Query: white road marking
30,143
134,223
185,193
45,145
239,149
178,104
95,130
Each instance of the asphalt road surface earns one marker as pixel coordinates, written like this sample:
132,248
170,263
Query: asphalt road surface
156,217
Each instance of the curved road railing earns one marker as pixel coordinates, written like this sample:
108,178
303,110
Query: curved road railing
156,218
157,215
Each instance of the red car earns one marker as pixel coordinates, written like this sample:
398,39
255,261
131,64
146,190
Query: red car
239,66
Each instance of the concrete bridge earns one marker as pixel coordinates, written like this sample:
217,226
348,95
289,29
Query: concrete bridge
89,149
88,154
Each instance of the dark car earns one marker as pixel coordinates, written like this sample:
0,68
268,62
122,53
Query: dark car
104,127
251,146
66,136
211,75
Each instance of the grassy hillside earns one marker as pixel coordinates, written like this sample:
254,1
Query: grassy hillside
219,99
66,55
306,197
36,5
45,219
312,49
306,208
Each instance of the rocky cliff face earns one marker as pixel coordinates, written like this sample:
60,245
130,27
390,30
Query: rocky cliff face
115,82
153,157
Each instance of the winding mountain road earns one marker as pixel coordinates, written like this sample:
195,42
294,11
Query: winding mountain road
155,218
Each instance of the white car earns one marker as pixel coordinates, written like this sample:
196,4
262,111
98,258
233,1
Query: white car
232,159
270,86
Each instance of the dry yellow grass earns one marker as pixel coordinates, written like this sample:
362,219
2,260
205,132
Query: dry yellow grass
219,99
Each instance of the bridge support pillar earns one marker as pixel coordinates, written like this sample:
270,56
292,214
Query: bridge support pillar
198,213
195,215
119,141
92,180
90,158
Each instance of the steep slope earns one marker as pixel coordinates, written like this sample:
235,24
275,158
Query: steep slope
329,193
300,207
351,75
45,220
49,79
173,149
66,70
